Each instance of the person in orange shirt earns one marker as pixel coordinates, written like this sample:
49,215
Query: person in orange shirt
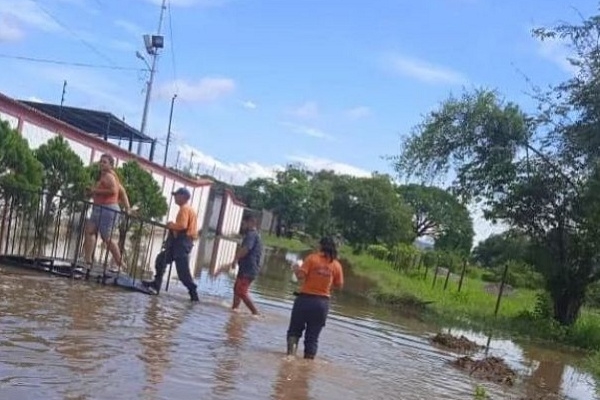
319,272
105,194
178,246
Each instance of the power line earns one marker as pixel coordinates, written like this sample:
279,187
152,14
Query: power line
172,47
70,63
87,44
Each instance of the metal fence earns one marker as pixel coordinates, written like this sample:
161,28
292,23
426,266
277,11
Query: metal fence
45,232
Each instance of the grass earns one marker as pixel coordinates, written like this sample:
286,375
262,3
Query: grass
472,307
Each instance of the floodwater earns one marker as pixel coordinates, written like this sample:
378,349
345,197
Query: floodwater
62,339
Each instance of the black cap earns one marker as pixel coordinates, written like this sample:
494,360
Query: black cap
183,192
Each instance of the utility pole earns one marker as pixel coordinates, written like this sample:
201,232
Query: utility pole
62,99
153,43
169,130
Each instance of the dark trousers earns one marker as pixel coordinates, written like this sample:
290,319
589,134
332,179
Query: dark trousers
179,253
309,312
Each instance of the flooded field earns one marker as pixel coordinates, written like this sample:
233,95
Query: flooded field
61,339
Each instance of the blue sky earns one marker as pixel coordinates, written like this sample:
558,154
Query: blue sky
262,83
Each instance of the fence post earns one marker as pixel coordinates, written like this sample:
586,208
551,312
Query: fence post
462,274
447,277
437,268
501,290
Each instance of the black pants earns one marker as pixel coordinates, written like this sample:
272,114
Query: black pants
309,312
179,253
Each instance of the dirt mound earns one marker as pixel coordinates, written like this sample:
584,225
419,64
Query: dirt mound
493,369
461,344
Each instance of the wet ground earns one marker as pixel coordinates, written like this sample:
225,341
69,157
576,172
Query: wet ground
61,339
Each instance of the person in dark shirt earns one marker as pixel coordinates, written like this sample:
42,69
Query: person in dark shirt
247,258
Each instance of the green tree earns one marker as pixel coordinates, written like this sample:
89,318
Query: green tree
256,193
536,189
289,195
439,215
64,171
319,218
143,191
20,171
369,211
500,248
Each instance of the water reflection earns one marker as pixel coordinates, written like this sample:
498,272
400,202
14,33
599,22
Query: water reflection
292,381
62,339
157,341
228,361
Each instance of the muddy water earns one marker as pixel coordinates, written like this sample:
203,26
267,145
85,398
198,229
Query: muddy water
71,340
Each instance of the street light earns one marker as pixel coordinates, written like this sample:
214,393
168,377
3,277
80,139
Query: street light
153,43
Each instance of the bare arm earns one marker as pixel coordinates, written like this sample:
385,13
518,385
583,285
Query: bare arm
124,197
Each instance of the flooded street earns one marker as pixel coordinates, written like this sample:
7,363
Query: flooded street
62,339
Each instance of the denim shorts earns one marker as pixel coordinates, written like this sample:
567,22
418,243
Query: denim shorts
105,218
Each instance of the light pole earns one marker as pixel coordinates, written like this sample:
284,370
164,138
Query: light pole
153,43
169,130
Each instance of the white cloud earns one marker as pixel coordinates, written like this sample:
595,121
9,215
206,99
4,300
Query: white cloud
130,27
21,13
423,70
307,130
358,112
316,164
35,99
9,32
308,110
204,91
236,173
556,51
250,105
239,173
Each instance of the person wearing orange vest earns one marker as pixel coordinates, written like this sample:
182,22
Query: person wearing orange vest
105,211
180,241
319,272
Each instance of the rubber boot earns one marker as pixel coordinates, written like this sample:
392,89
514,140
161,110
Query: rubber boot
153,285
292,345
309,356
194,296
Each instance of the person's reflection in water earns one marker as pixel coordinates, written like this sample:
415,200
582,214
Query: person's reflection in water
293,379
229,361
161,323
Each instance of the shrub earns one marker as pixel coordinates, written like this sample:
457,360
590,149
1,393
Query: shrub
378,251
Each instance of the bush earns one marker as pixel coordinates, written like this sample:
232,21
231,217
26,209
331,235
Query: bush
404,256
520,275
378,251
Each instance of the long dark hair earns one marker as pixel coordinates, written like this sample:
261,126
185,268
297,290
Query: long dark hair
328,247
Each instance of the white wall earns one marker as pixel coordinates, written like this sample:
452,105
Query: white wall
224,253
13,121
35,135
215,213
232,217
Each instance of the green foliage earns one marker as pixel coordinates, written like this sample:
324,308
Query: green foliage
405,256
500,248
143,191
21,173
520,275
439,215
372,212
378,251
363,210
64,171
539,174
